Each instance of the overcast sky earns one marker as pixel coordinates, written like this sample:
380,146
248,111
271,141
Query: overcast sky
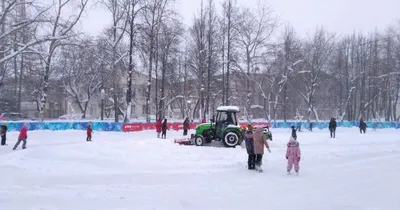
339,16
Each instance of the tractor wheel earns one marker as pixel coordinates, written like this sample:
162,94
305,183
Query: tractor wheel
231,139
199,140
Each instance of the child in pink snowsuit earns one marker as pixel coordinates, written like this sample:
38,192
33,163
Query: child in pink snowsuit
293,155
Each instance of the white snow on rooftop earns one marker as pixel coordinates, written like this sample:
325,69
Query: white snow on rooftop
228,108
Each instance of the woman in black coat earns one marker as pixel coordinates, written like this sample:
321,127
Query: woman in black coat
164,129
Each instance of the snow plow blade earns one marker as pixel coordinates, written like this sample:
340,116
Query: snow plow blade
183,140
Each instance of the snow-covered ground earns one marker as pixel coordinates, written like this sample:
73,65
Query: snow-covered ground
60,170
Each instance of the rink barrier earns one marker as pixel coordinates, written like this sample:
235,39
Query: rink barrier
132,127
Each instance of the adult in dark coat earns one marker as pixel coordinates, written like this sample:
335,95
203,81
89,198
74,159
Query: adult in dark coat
186,126
332,127
363,126
294,132
164,129
3,132
248,138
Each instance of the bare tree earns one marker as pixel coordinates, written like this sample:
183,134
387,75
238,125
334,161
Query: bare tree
153,12
198,56
114,37
80,69
316,55
132,19
61,30
255,30
169,40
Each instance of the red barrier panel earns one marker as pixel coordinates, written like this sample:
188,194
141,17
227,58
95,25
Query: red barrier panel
132,127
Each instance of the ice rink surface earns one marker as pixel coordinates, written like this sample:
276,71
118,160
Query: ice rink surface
137,171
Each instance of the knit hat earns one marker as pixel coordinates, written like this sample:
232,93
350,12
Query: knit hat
249,127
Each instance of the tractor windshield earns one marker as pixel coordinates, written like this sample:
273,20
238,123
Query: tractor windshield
227,118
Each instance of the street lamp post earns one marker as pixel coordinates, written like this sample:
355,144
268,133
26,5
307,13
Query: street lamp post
102,96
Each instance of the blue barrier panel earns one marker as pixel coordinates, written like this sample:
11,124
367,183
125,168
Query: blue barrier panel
56,126
112,126
345,124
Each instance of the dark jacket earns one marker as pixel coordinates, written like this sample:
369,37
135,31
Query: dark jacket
186,124
332,124
294,134
164,126
3,129
363,125
248,138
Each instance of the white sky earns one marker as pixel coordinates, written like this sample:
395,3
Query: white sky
339,16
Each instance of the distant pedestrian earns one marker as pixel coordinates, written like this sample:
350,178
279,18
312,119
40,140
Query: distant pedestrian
294,132
311,126
164,127
3,133
362,126
332,127
158,127
186,126
23,136
89,132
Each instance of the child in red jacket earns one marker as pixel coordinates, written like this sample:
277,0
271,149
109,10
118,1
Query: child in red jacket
158,127
89,132
23,135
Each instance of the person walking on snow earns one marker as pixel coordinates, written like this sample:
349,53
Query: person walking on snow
332,127
186,126
3,132
294,132
293,155
164,129
23,135
259,143
89,132
248,138
158,127
363,126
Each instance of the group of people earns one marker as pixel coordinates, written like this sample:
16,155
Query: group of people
162,127
22,137
256,140
332,127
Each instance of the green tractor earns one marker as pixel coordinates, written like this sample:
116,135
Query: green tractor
224,127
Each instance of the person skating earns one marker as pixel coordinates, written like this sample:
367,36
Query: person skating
158,127
248,138
362,126
3,132
293,155
294,132
89,132
23,135
332,127
259,143
186,126
164,129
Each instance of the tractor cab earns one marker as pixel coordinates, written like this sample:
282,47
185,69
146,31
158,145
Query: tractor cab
226,116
